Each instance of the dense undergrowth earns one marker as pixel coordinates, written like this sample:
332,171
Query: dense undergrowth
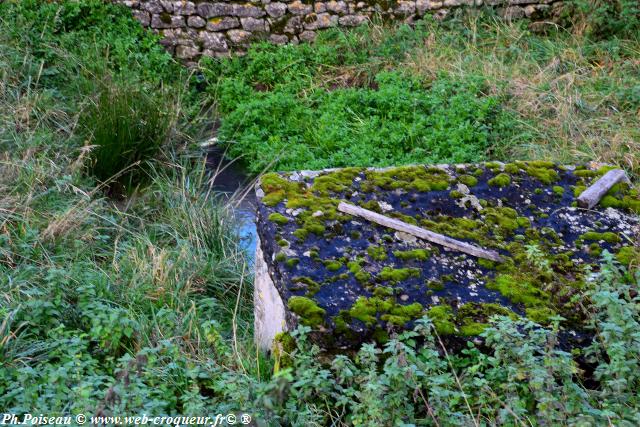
112,305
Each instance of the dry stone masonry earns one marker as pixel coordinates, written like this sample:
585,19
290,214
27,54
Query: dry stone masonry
191,29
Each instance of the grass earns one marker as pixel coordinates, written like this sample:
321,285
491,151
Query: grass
143,304
353,100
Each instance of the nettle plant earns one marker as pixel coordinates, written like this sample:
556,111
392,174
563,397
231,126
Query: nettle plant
519,376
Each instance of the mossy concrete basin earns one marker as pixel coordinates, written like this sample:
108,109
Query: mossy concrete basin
353,281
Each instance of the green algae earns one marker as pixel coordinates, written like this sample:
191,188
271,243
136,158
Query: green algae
413,254
500,180
558,190
309,312
278,218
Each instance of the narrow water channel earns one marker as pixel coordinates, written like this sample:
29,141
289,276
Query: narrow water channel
234,185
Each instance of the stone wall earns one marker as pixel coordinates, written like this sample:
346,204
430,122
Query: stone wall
216,28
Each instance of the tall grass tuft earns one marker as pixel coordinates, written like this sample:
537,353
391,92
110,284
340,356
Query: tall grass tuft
126,127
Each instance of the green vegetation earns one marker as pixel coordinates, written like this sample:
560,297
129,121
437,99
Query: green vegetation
123,289
500,180
309,312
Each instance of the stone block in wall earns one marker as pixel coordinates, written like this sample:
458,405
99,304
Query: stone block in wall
255,25
405,8
276,10
248,11
143,17
299,8
294,25
187,52
213,41
319,21
184,7
153,7
221,24
212,10
535,11
196,21
278,39
319,7
339,7
512,12
352,20
165,20
239,36
307,36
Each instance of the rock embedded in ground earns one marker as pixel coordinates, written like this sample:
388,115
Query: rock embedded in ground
353,281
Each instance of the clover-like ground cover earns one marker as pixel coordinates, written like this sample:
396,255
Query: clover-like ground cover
352,280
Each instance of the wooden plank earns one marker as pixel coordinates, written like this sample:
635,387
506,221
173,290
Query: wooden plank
420,232
592,195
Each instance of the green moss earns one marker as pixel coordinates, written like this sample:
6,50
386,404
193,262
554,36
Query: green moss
301,233
500,180
417,178
278,218
406,218
626,202
607,236
442,318
283,243
377,253
455,194
493,166
380,336
542,170
506,219
627,254
558,190
511,168
478,172
355,235
336,181
282,349
333,265
540,315
489,265
473,329
280,257
292,262
436,285
366,309
355,267
309,312
401,314
398,274
468,180
419,254
311,285
519,290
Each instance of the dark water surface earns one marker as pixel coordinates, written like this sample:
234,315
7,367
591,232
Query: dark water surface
234,185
